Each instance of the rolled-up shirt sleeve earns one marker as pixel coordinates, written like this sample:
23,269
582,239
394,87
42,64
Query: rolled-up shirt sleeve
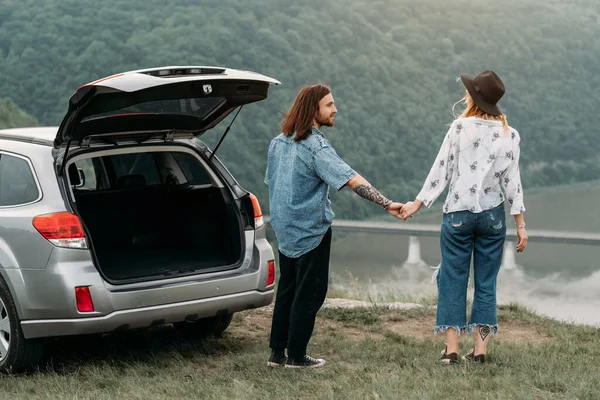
511,181
331,168
439,175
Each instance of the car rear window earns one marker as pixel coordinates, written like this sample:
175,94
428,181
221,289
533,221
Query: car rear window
138,169
122,171
196,107
194,172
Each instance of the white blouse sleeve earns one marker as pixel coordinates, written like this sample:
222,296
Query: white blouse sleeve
511,179
440,172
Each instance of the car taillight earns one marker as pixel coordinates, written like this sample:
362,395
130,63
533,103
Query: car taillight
84,299
62,229
258,216
271,278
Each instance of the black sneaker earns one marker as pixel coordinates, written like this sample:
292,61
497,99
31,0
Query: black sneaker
305,362
448,359
277,359
470,356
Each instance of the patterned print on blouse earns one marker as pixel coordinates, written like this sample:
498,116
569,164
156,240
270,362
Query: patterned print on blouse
480,161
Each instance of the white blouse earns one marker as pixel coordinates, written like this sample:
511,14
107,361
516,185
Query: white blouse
478,158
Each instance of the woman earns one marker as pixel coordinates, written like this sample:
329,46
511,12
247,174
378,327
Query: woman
479,157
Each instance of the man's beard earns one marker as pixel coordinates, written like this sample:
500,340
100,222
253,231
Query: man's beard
326,121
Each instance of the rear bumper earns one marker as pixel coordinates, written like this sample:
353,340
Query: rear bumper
147,316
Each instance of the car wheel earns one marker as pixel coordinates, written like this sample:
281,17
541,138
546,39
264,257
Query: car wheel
17,354
206,327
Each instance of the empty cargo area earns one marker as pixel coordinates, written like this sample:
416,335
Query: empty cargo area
155,214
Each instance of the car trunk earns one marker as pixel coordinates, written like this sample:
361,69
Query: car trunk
139,229
142,224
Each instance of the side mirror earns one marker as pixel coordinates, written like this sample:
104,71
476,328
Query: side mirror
76,176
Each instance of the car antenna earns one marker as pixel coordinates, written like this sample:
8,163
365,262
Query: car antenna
224,134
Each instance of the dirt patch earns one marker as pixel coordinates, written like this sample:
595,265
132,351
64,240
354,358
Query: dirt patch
510,331
324,325
421,327
516,331
256,324
252,324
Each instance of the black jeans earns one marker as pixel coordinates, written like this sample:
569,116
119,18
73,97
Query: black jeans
301,292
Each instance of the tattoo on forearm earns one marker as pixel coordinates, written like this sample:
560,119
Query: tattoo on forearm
484,331
370,193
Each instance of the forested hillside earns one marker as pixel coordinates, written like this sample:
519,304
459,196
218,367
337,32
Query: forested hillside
392,65
11,116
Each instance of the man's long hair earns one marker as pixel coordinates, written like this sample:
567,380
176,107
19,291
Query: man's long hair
305,109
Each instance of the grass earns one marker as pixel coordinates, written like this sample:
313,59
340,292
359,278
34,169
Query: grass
353,289
372,353
353,317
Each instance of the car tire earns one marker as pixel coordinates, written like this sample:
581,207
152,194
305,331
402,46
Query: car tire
17,354
205,327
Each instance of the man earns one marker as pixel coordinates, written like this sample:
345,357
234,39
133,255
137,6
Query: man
301,167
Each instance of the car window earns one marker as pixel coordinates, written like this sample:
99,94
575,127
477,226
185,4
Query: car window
88,172
192,169
196,107
136,169
17,183
132,170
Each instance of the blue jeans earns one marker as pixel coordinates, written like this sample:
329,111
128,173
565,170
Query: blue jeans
465,234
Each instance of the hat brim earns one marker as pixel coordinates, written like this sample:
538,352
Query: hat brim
491,109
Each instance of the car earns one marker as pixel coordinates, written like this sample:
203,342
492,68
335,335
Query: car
121,217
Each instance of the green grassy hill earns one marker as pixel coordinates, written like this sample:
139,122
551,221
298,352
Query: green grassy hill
11,116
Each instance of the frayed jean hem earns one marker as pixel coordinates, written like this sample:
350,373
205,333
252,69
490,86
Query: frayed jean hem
444,328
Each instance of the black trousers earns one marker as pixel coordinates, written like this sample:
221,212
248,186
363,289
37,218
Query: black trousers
301,292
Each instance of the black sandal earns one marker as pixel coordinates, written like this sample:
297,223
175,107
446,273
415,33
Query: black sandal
470,356
448,359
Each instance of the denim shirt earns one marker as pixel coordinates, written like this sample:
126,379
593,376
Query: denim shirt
299,175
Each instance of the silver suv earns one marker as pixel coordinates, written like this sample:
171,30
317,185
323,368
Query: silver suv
122,218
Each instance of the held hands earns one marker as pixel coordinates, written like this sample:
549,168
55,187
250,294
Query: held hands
395,209
404,211
409,209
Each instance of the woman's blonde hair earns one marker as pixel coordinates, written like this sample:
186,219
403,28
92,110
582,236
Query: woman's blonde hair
471,110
